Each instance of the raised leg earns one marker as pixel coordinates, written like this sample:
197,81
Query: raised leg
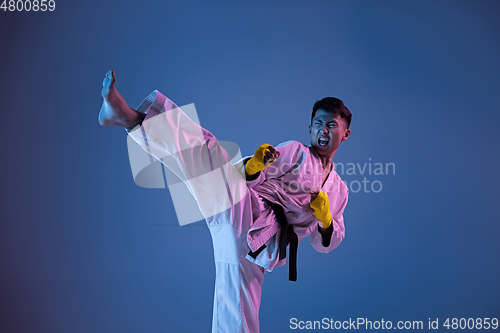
195,156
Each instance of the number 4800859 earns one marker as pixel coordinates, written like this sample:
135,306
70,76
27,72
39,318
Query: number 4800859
28,5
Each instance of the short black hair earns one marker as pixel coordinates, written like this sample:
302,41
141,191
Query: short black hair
333,105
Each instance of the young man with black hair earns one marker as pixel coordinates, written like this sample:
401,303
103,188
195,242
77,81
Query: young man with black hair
254,209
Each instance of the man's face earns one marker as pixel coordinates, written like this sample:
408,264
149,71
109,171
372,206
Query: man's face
327,130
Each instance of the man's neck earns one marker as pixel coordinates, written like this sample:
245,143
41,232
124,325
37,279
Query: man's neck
326,163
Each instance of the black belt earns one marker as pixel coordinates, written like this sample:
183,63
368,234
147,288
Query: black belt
288,236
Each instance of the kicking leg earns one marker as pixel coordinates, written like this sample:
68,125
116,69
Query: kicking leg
191,152
195,156
114,110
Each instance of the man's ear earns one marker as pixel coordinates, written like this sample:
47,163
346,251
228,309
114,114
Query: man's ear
309,128
346,134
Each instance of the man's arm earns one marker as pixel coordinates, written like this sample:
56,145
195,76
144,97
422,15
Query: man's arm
325,240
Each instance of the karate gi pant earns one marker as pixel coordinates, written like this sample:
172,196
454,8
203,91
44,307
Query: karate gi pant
194,155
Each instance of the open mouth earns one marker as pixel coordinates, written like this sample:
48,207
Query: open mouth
323,142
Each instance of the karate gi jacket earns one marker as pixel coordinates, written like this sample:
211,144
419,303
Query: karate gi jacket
293,181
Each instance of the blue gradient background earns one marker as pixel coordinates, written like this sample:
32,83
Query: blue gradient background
83,249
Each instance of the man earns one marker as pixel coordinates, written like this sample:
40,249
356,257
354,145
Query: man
255,209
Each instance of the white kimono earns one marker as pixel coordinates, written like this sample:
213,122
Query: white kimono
237,215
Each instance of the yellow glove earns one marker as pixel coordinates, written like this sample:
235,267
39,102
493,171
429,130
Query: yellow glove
256,163
321,206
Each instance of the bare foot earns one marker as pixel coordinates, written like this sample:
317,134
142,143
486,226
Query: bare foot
114,109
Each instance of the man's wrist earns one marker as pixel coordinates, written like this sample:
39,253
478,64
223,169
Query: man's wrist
326,234
248,176
252,177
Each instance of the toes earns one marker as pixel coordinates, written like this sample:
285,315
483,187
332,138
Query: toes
109,78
